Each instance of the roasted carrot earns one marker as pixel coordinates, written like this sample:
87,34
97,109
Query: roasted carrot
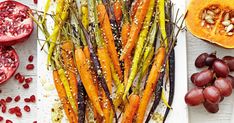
151,83
131,109
124,36
97,66
68,61
87,79
139,47
61,16
81,101
105,62
127,61
108,36
134,8
117,11
135,28
72,117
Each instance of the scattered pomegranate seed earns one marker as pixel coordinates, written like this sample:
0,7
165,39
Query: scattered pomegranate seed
26,86
28,80
17,98
33,98
27,100
27,108
35,1
11,110
3,102
9,121
21,79
4,108
30,58
8,99
30,67
17,76
1,118
0,91
18,114
34,121
17,109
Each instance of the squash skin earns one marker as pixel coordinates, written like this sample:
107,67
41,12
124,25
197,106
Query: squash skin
193,22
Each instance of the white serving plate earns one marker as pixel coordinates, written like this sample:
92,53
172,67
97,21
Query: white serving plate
179,114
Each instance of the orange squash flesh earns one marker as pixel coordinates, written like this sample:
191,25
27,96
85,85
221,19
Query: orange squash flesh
216,34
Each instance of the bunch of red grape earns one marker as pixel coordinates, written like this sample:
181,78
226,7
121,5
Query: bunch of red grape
213,83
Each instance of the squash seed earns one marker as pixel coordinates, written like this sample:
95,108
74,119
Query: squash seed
230,33
210,13
209,19
226,17
226,22
229,28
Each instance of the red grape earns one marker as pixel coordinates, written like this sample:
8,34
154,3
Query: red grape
212,108
200,61
203,78
220,68
212,94
224,86
194,97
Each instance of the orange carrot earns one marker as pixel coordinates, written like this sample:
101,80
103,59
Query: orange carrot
108,36
135,28
131,109
127,62
151,83
86,77
118,11
72,117
69,64
134,8
105,64
86,52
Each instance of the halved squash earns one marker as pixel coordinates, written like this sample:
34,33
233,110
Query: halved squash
212,20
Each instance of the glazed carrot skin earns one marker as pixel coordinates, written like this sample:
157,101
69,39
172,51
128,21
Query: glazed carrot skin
127,62
69,67
118,11
72,117
105,64
87,79
108,36
135,28
151,83
134,8
131,109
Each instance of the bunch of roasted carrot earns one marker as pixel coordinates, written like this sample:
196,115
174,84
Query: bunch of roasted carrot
105,62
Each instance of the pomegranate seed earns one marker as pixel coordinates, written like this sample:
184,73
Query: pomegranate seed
11,110
9,121
30,67
17,109
30,58
35,1
8,99
27,100
3,102
17,76
17,98
34,121
26,86
18,114
27,108
28,80
0,91
3,108
1,118
32,98
21,79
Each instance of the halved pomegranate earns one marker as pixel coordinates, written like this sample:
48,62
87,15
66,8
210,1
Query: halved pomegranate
15,22
9,62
